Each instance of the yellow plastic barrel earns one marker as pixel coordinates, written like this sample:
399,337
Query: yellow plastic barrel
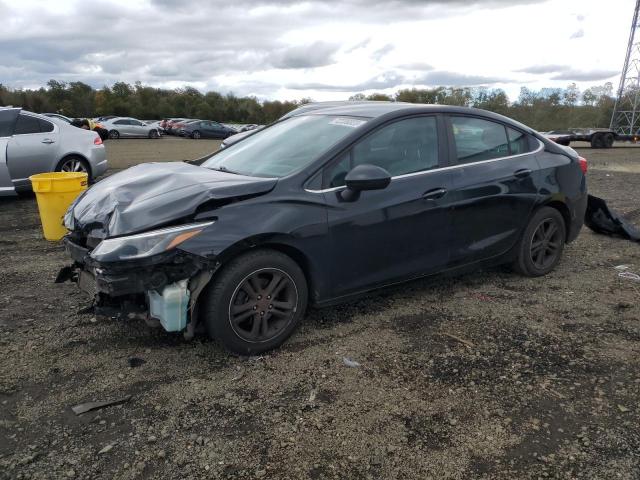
54,193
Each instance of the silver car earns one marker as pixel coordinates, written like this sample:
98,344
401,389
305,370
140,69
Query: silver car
127,127
32,143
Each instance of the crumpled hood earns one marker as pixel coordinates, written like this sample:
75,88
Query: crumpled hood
154,194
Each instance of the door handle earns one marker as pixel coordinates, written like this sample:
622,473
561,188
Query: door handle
434,194
48,141
522,173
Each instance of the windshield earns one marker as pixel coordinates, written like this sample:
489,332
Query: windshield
285,147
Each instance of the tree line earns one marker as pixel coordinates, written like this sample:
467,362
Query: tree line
544,109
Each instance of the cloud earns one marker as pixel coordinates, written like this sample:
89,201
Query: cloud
261,46
585,75
393,79
317,54
415,66
381,52
541,69
577,34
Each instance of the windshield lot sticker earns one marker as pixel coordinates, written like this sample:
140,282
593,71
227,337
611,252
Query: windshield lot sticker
347,122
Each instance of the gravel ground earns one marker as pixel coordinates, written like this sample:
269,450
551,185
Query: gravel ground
489,375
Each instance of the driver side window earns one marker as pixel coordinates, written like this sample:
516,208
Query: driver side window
405,146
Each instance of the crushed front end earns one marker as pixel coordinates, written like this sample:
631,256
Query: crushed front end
143,275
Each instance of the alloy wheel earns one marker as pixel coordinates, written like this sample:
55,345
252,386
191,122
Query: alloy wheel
196,134
263,305
546,244
73,165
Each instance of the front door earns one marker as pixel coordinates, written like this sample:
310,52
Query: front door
402,231
494,190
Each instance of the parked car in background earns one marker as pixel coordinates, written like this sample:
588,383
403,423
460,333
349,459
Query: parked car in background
157,124
246,128
127,127
205,129
321,207
32,143
172,123
179,125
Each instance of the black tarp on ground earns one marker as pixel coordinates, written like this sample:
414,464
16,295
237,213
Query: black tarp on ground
601,219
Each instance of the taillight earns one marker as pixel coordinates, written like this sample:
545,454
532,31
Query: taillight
583,164
97,141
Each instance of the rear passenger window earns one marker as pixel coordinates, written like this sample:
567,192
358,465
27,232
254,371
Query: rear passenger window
45,126
518,142
405,146
27,124
477,139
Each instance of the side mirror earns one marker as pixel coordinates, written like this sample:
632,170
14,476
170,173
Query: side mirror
365,177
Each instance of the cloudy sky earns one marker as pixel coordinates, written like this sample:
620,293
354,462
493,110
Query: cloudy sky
326,50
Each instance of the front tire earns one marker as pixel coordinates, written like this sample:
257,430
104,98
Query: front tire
154,134
196,135
114,134
256,302
540,248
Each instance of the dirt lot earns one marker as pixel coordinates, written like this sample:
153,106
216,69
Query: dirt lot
489,375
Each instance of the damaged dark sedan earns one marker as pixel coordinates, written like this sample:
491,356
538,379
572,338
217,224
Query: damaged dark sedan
318,208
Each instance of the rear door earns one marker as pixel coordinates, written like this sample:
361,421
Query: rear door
8,119
33,148
494,190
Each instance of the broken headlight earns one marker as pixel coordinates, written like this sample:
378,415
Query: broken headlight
145,244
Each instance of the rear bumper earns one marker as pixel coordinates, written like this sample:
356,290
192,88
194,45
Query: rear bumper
98,161
577,217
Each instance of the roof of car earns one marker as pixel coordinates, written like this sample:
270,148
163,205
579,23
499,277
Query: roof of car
377,109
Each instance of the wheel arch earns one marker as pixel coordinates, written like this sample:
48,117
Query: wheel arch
78,155
282,244
564,211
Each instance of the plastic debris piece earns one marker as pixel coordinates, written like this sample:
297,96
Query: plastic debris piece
350,363
88,406
466,343
622,268
630,276
601,219
106,449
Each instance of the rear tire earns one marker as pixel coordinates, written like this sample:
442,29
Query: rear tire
608,140
596,140
154,134
266,282
114,134
196,135
540,248
73,163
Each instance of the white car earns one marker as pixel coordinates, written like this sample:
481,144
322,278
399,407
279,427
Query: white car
127,127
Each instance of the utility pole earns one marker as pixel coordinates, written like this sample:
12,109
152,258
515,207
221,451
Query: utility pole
626,113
